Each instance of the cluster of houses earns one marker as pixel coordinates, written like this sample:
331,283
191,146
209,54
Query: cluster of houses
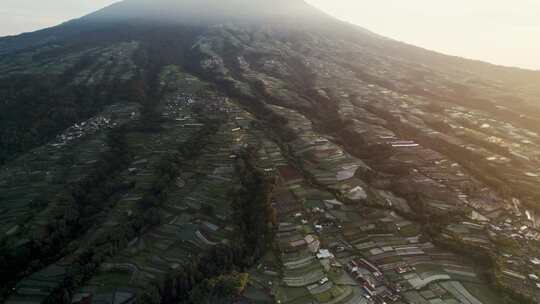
111,117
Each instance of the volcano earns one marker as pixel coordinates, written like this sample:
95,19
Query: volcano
182,151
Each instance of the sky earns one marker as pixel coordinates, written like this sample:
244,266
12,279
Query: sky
505,32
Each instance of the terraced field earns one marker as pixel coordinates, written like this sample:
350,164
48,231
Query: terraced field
283,157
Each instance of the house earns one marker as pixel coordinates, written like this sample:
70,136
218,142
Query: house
312,243
324,254
357,193
323,281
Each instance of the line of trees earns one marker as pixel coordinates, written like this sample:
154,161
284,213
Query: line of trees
76,209
146,214
36,108
218,276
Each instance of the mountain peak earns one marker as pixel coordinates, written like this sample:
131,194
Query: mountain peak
205,11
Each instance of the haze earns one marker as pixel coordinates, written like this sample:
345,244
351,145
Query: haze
499,31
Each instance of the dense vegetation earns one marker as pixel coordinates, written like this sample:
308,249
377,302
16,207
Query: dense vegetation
76,208
35,108
218,276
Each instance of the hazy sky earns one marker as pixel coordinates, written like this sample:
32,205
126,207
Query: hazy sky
500,31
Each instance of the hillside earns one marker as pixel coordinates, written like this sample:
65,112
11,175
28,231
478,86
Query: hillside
261,152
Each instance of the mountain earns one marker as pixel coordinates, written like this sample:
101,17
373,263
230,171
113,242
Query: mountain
261,152
207,11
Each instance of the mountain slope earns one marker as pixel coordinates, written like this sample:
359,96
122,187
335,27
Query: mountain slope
201,152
